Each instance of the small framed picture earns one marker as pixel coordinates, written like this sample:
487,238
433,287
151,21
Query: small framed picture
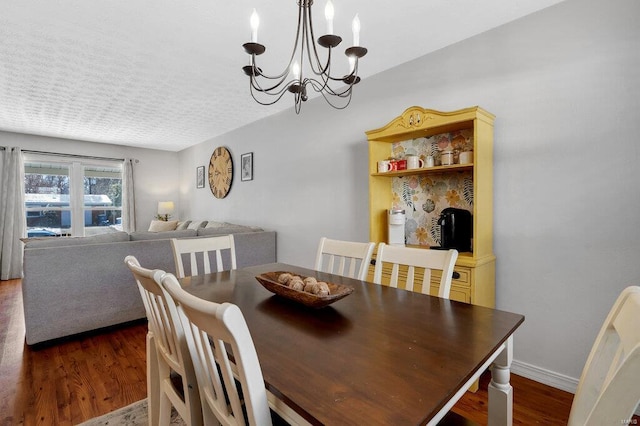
200,177
246,166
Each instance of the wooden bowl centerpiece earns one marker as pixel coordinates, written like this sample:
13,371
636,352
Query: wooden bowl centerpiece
303,289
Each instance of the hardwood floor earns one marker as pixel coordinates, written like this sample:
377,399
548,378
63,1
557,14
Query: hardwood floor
75,380
69,382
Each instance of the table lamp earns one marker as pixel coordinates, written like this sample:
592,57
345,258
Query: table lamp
165,208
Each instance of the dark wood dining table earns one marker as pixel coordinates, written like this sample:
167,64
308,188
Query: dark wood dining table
378,356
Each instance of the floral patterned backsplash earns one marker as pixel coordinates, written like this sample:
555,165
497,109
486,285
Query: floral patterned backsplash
423,197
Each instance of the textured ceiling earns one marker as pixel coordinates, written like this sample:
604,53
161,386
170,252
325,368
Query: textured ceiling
166,74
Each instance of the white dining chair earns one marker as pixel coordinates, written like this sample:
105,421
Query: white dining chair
608,391
344,258
412,258
200,251
168,356
217,333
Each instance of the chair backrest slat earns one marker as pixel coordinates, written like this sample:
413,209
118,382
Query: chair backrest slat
412,258
607,391
348,255
202,248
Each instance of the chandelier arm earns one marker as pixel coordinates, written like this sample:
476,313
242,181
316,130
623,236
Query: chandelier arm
271,90
353,73
278,95
349,80
256,84
322,72
320,69
270,77
336,106
322,88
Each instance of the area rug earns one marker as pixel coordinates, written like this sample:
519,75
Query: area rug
131,415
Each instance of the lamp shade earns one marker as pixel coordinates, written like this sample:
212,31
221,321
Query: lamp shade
165,207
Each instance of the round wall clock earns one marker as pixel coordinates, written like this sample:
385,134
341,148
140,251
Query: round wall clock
220,172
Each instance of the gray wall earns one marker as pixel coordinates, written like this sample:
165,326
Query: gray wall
155,173
563,85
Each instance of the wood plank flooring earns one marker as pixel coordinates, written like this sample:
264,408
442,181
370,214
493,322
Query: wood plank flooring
75,380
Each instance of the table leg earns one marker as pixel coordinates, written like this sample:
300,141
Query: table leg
153,382
500,390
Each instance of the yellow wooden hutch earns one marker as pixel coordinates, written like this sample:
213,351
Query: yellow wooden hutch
423,131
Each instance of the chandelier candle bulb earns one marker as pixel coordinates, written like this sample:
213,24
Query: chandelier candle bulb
328,13
295,70
355,27
255,23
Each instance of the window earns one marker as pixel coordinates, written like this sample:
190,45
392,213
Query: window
70,196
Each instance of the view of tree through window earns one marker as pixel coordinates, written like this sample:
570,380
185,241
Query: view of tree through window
72,198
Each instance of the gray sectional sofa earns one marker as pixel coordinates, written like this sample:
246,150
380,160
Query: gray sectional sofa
77,284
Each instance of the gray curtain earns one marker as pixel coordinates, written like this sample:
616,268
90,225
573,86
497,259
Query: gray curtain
12,214
128,203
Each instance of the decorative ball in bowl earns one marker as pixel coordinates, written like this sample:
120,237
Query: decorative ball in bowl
303,289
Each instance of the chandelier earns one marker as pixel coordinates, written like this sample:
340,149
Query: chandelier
336,90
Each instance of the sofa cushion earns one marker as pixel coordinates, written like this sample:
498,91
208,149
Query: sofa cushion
185,233
112,237
162,225
214,224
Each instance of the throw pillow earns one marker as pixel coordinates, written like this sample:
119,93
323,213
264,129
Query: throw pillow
183,225
197,224
161,225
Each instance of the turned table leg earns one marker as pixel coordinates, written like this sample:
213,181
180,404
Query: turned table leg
500,390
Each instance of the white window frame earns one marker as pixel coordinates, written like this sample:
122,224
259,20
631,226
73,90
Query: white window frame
77,166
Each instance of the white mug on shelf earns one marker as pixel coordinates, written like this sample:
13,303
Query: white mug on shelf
430,161
446,158
414,162
466,157
384,166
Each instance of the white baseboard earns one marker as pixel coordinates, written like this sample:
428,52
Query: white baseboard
549,378
546,377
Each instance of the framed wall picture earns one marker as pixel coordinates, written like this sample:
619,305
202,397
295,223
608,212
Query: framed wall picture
200,177
246,166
